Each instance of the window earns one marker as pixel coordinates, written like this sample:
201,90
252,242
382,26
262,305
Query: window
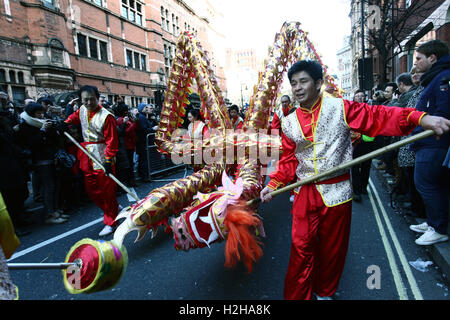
93,48
82,46
129,59
136,60
124,10
103,51
167,20
143,63
18,94
20,77
12,76
163,19
174,30
2,75
132,10
48,3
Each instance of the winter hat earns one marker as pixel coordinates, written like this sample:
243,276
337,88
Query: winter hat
32,107
141,106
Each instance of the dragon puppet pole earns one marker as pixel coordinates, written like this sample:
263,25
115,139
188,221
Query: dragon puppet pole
348,164
26,266
135,197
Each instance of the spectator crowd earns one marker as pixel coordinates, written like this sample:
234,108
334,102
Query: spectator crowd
36,159
39,162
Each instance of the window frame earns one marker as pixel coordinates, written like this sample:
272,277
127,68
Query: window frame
126,4
98,51
133,65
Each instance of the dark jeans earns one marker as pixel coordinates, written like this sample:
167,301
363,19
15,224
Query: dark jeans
361,172
417,205
142,162
432,182
51,186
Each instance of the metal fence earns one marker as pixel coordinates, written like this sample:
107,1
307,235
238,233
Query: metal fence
159,163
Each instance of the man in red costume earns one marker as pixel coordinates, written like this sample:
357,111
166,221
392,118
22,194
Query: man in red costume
318,134
280,113
99,131
236,120
284,111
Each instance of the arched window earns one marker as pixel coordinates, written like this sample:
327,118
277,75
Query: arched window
20,77
2,75
12,76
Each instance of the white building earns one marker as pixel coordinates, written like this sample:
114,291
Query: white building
344,58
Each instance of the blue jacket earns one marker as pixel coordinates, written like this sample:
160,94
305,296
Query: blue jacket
435,100
145,126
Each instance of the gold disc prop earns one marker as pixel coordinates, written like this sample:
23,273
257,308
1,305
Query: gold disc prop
101,265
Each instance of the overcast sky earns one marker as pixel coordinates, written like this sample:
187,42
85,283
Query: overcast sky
254,23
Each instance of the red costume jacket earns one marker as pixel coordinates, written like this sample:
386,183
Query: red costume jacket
360,117
109,132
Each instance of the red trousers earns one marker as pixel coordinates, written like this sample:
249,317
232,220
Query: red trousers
102,191
320,237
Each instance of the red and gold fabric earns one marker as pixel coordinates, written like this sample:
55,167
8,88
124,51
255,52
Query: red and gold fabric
278,116
237,123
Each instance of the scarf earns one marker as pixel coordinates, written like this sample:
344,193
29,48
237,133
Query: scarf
34,122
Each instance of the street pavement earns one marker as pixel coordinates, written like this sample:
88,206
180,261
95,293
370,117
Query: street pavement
378,264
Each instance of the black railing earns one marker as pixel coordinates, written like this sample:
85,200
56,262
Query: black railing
159,163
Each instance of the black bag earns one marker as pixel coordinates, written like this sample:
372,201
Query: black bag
64,159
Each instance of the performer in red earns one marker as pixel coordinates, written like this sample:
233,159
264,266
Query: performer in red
197,129
315,138
99,131
280,113
236,120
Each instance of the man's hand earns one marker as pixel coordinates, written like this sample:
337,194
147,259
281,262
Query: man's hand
439,125
46,125
265,195
108,167
62,127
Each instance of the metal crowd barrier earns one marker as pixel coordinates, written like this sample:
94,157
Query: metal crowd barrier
159,163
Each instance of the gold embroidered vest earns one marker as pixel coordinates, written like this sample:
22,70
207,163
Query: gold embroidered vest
92,131
331,146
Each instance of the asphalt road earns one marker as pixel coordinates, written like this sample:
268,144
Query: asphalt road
377,266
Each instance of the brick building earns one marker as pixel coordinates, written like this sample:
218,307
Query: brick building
420,21
123,47
435,24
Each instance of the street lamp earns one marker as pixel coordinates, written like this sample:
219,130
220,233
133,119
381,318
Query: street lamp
242,98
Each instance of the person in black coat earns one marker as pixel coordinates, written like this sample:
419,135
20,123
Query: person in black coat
41,138
13,170
147,123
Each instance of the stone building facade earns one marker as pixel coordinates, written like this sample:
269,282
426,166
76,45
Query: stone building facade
123,47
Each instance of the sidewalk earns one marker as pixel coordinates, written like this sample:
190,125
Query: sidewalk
440,252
